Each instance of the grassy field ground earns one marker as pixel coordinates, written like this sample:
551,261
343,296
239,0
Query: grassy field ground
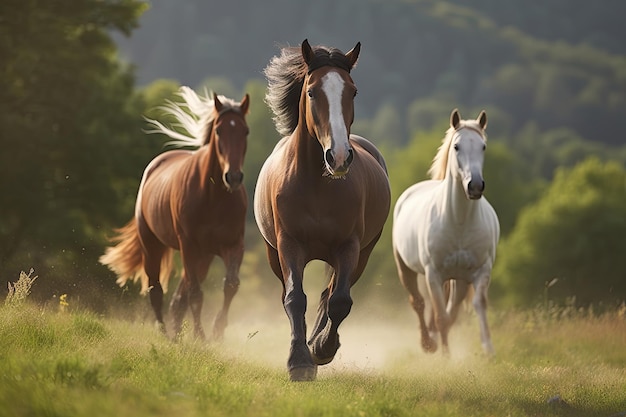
55,361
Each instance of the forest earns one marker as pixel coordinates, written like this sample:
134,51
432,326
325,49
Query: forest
79,76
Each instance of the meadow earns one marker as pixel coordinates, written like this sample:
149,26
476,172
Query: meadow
57,360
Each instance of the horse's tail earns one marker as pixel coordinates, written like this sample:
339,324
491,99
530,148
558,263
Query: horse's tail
126,259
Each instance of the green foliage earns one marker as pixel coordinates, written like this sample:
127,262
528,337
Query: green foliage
575,233
65,101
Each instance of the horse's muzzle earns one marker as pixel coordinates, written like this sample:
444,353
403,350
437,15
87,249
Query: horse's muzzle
475,189
334,170
233,179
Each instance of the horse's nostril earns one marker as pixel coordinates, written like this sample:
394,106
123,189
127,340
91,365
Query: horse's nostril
350,157
330,160
234,178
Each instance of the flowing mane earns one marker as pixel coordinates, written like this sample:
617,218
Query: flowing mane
439,165
285,75
194,115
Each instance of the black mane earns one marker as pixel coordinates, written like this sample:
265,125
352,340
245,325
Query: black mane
285,75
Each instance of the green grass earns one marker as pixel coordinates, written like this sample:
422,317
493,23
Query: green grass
74,363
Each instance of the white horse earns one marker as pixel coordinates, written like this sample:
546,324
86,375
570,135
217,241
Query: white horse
444,229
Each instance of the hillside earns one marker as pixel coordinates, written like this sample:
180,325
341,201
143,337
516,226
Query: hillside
500,56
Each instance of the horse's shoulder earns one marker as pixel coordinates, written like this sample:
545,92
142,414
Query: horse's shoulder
490,212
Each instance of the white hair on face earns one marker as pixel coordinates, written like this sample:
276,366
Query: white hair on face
333,87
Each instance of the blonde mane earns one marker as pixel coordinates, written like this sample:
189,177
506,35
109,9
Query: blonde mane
194,115
439,166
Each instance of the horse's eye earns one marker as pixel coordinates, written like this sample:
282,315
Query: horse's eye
355,92
456,146
484,146
310,93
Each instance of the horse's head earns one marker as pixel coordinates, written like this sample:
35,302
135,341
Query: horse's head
467,148
230,132
327,103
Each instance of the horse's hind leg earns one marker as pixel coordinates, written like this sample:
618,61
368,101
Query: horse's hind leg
408,277
232,259
153,253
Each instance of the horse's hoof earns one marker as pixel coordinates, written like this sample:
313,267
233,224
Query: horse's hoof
303,373
161,327
324,353
429,345
321,361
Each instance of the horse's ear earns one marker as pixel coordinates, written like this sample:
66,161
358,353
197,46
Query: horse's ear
482,120
353,54
455,119
218,104
307,51
245,103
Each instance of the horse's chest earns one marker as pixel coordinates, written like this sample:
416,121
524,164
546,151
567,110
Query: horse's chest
457,253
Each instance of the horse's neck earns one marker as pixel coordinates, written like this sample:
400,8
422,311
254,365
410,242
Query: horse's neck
456,205
309,156
209,169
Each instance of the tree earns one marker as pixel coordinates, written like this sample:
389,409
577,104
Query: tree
65,102
574,233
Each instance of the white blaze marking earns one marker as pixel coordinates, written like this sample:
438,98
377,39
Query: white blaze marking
332,85
232,123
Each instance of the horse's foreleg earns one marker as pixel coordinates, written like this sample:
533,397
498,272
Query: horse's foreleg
300,364
480,305
437,296
232,259
456,296
348,266
322,309
195,267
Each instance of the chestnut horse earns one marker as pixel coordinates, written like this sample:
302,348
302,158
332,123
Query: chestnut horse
321,194
191,201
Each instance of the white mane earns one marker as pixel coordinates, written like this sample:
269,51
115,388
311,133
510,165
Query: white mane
194,118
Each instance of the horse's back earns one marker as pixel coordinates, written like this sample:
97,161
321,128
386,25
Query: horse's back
377,189
370,148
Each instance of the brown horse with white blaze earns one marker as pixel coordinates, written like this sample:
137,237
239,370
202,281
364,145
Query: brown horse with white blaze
322,194
193,202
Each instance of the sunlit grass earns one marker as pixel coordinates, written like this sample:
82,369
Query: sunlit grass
56,362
